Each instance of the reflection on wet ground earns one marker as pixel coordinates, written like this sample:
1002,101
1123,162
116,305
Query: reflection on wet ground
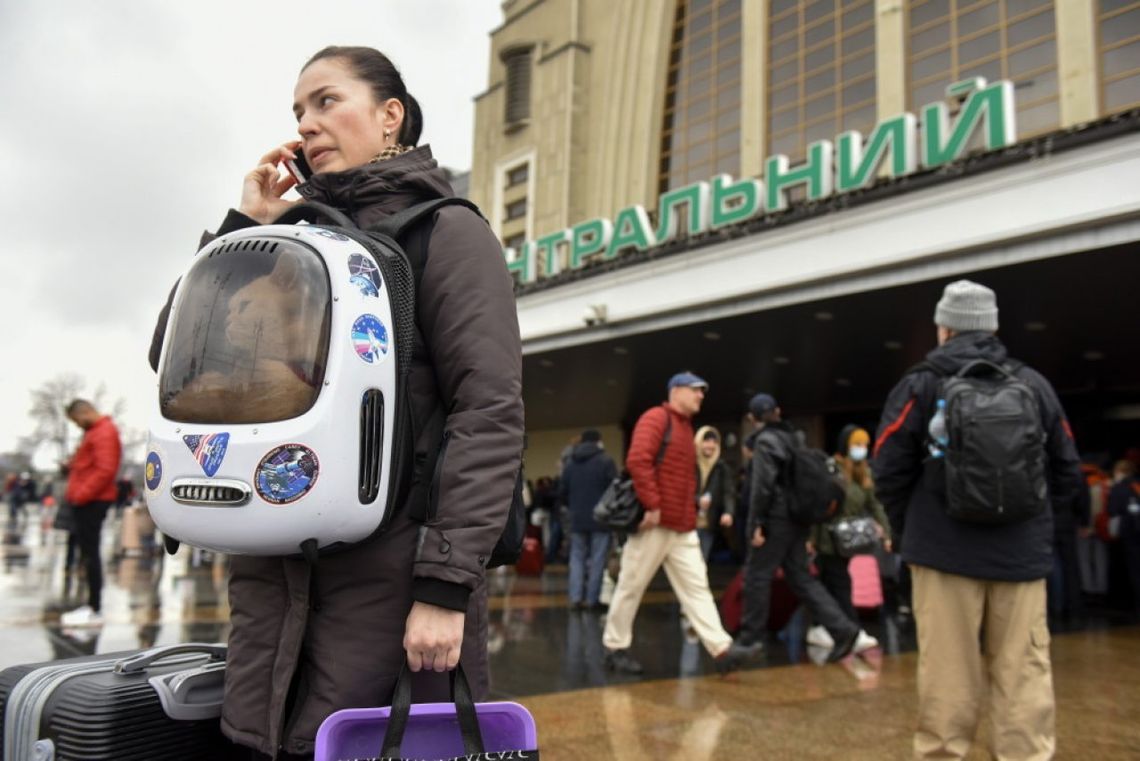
550,658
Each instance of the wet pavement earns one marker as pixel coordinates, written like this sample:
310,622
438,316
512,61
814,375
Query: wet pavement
550,658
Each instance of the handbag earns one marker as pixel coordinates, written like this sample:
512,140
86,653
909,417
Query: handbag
855,536
619,508
64,516
426,731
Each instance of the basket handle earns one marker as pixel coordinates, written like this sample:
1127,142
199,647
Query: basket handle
402,705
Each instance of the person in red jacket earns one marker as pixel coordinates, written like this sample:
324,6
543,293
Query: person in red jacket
91,489
662,461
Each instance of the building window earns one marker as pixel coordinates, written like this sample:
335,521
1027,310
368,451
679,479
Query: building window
1119,26
821,72
952,40
518,64
518,175
701,129
515,241
516,209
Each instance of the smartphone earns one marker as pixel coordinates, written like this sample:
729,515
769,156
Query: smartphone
299,168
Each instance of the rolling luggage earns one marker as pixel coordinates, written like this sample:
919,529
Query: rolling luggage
532,561
866,586
782,603
162,703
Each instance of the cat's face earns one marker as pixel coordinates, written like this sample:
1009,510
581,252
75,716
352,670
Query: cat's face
265,316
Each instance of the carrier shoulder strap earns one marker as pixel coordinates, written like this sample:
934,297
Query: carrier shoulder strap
408,229
399,224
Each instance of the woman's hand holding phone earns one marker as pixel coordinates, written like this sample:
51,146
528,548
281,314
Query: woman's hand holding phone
263,187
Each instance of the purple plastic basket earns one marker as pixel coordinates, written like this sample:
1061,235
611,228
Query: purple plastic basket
433,731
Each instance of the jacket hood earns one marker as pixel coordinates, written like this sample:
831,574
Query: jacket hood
585,451
963,348
706,464
371,192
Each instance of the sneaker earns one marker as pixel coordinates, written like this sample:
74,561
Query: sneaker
843,647
864,641
622,662
736,656
819,636
82,616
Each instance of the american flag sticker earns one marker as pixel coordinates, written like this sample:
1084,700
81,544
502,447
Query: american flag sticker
209,450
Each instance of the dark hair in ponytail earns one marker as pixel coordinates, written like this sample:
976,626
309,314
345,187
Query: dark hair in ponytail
373,67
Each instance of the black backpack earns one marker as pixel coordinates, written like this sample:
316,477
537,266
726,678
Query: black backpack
815,487
408,232
995,456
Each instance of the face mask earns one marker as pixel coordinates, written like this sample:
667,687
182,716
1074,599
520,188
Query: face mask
857,453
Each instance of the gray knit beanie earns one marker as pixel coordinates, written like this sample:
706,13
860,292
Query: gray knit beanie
965,306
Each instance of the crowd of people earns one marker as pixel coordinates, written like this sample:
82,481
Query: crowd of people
991,537
978,532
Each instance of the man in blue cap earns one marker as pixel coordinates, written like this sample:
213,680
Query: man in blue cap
662,461
776,540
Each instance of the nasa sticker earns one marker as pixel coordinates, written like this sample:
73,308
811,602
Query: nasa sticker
153,471
209,450
329,234
370,338
286,474
364,274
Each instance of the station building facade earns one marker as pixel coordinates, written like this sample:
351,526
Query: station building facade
772,194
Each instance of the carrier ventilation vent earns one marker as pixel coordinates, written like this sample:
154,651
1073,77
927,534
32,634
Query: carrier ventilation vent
210,492
371,444
249,244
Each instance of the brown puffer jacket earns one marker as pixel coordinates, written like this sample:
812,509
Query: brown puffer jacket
466,389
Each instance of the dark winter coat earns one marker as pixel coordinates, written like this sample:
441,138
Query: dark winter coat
465,380
913,490
770,457
1120,497
721,488
670,487
585,476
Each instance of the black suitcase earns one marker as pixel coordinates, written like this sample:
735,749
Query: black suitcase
163,703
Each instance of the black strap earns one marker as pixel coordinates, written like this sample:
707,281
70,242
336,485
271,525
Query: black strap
664,440
397,226
313,211
402,706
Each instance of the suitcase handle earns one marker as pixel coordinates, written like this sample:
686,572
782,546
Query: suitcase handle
142,661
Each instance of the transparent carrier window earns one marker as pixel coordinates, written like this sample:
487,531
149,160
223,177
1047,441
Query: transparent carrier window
250,336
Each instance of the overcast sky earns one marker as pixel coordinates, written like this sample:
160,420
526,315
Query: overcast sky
126,127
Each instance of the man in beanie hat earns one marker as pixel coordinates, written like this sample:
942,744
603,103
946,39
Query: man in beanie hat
584,479
972,578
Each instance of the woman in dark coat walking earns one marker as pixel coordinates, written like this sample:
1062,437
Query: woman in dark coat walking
416,592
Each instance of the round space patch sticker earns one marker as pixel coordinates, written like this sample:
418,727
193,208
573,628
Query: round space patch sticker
286,474
370,338
364,274
152,472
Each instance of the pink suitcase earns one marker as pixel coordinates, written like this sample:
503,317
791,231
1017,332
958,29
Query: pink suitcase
866,587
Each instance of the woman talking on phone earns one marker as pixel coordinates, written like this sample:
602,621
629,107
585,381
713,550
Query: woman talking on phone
416,591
